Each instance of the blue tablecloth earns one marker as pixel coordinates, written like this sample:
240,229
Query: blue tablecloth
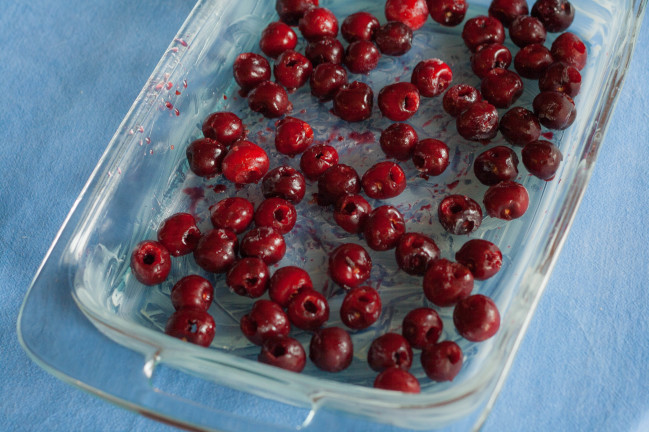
71,69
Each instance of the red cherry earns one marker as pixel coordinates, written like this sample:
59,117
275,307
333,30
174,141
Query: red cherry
192,291
476,318
350,265
384,180
283,352
397,379
245,163
264,321
431,77
442,361
413,13
286,282
353,102
216,250
446,282
308,309
205,157
482,257
179,234
191,325
150,262
233,213
389,350
421,327
224,127
361,307
264,242
318,159
350,213
276,213
331,349
383,228
248,277
276,38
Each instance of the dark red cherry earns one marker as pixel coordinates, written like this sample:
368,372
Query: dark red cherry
293,136
318,159
286,282
331,349
216,250
283,352
276,38
542,159
383,228
488,57
361,56
290,11
399,101
421,327
414,252
389,350
232,213
569,49
318,23
192,291
308,310
495,165
269,99
337,181
326,79
397,379
394,38
325,50
276,213
353,102
446,282
476,318
482,257
350,213
506,200
431,77
264,242
350,265
191,325
398,140
556,15
527,30
179,234
248,277
501,87
245,163
360,308
447,12
264,321
459,98
506,11
482,30
359,26
554,110
413,13
479,122
520,126
205,157
442,361
562,78
431,156
532,60
224,127
250,70
459,214
292,70
384,180
284,182
150,262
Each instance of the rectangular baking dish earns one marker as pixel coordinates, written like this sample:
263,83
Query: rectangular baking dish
143,177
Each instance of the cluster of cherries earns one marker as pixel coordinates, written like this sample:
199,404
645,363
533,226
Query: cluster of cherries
225,151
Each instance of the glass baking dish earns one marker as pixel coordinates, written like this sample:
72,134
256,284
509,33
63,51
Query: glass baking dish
143,177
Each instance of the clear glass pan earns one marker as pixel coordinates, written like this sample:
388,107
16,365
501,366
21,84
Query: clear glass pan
143,178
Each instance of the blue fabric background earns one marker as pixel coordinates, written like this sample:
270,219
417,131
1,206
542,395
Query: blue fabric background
71,69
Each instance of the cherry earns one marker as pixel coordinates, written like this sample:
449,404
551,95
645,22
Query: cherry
286,282
205,157
459,98
542,159
495,165
399,101
569,49
556,15
245,163
482,30
555,110
337,181
442,361
506,11
308,309
479,122
430,156
398,140
350,265
431,77
276,38
359,26
389,350
284,182
293,136
459,214
361,307
350,213
192,291
331,349
447,282
414,252
264,321
290,11
397,379
250,70
292,70
263,242
384,180
361,56
283,352
482,257
527,30
269,99
353,102
277,213
318,23
476,318
248,277
562,78
447,12
326,79
191,325
394,38
488,57
413,13
216,250
421,327
318,159
520,126
224,127
383,228
506,200
150,262
233,213
325,50
501,87
179,234
532,60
